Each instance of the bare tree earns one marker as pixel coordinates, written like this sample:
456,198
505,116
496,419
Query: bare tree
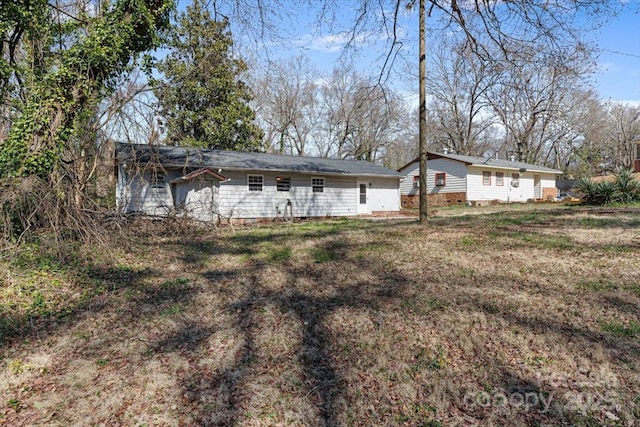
459,108
285,99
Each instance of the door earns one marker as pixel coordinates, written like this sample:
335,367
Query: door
537,189
363,197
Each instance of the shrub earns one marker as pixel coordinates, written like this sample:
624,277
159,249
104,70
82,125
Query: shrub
625,189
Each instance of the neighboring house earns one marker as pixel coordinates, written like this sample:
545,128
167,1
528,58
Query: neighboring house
457,179
213,184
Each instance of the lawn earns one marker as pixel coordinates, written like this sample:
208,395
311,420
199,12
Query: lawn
524,317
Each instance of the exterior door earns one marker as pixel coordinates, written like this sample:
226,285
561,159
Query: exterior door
363,197
537,189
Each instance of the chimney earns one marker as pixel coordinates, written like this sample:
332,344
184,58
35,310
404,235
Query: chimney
496,155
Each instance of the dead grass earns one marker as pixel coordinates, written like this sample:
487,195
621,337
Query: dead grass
524,317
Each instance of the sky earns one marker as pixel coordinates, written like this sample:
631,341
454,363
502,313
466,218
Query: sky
617,76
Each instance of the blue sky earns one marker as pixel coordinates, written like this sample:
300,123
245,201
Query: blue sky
619,61
617,76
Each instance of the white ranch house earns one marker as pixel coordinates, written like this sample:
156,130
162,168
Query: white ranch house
214,184
457,179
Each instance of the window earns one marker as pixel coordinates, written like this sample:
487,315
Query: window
515,180
283,183
158,180
441,179
416,181
255,182
500,179
317,185
486,178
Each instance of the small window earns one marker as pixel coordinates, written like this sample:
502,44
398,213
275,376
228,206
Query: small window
441,179
416,181
158,180
515,180
317,185
255,182
499,179
486,178
283,183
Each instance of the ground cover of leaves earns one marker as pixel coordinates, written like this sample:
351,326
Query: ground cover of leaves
524,317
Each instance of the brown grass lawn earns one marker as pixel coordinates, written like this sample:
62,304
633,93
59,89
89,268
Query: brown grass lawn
525,317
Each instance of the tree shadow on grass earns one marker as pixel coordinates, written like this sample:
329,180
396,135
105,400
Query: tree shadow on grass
224,392
98,284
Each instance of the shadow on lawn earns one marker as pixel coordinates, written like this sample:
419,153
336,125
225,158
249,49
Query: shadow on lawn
218,398
98,284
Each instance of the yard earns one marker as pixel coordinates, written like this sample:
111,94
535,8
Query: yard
523,317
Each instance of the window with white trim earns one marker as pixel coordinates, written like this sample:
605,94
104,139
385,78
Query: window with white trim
416,181
255,182
158,180
283,183
486,178
515,180
317,185
441,179
500,179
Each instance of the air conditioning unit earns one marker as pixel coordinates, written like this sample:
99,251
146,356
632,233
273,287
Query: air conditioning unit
440,183
515,184
416,184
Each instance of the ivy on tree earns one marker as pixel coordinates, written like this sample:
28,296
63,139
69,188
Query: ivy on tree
201,97
64,90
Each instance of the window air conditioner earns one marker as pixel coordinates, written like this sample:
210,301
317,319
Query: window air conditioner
440,183
416,184
515,184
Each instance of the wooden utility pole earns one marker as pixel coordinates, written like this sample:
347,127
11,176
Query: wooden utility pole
422,73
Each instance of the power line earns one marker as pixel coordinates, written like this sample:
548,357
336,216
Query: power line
617,52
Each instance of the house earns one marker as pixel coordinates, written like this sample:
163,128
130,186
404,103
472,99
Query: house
213,184
457,179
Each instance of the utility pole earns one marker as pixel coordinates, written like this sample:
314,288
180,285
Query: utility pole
422,74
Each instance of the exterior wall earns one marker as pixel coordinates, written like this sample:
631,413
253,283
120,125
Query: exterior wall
134,192
476,191
455,177
232,199
236,201
384,194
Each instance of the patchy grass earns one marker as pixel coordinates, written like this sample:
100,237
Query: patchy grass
522,316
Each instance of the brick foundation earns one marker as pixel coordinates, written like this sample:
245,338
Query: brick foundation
434,200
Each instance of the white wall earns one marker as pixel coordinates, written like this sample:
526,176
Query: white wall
337,199
506,193
134,192
383,194
455,177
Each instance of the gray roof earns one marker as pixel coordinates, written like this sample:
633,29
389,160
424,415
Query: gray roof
181,157
491,163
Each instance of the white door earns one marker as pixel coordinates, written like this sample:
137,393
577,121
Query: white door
537,190
363,197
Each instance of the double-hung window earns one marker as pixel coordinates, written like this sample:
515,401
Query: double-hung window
486,178
255,182
317,185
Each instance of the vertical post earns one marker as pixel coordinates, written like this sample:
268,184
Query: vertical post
422,74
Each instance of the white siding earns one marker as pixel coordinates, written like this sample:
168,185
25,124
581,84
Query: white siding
455,177
406,184
337,199
506,193
135,193
233,198
384,194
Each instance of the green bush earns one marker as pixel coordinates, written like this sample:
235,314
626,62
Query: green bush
624,189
